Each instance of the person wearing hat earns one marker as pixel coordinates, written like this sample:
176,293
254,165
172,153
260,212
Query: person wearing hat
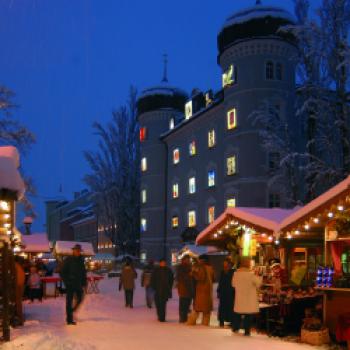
278,275
73,274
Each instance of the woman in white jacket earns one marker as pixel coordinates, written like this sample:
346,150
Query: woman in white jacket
246,285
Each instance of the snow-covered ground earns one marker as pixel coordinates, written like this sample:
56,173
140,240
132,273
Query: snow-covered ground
104,324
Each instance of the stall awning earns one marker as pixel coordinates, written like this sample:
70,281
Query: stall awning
195,250
333,197
36,243
262,220
65,248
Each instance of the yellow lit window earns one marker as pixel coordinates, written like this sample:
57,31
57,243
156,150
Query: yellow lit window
175,190
192,148
176,156
228,76
211,138
211,178
231,119
211,214
188,110
144,164
231,165
231,203
175,222
192,218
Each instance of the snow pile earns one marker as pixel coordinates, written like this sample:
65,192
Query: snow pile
104,324
258,12
10,179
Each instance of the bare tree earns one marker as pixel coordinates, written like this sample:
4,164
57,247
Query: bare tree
115,176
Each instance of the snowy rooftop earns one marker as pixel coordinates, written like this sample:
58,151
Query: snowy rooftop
65,248
35,243
257,12
162,89
10,178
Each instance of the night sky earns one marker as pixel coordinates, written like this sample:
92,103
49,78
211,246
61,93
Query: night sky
70,62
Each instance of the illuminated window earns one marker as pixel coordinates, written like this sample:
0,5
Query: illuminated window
231,119
143,196
269,71
211,178
274,200
231,203
175,221
211,138
188,110
175,190
211,214
144,164
143,134
171,123
192,148
228,77
192,218
192,185
176,156
279,71
143,225
231,165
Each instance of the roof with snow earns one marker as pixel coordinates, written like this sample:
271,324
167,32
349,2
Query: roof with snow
11,182
36,243
252,22
263,220
161,96
320,204
65,248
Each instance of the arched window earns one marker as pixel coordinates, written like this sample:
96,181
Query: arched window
279,71
269,70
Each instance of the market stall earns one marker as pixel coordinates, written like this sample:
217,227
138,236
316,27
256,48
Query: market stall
328,216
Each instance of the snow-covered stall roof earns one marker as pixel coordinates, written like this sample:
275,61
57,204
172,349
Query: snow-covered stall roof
10,178
195,250
264,220
321,203
36,243
65,248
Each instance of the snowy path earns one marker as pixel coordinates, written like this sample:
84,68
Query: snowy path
104,324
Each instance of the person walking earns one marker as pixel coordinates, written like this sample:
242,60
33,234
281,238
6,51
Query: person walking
146,283
226,294
246,304
73,274
162,280
185,287
127,281
203,275
34,284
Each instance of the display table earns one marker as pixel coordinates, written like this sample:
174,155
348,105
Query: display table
92,283
50,280
336,301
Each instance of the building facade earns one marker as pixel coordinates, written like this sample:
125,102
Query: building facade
203,154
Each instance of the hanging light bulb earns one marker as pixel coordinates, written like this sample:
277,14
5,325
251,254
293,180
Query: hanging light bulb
297,232
307,227
316,220
340,207
289,236
330,214
270,238
215,235
4,205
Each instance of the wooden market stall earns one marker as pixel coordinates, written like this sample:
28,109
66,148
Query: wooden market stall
328,216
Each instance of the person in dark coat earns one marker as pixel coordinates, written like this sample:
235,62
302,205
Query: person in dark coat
185,287
127,281
162,283
226,294
73,274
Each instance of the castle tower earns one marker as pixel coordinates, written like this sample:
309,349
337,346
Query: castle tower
258,64
160,108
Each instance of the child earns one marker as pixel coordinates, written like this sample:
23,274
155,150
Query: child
34,284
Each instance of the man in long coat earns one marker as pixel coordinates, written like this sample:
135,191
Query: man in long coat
127,281
73,274
246,285
162,283
185,286
203,275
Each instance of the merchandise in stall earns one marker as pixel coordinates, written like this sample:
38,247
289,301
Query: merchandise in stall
329,216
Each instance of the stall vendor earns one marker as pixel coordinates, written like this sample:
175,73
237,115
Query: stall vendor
279,275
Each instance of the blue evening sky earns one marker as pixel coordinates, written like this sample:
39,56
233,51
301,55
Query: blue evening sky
71,62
